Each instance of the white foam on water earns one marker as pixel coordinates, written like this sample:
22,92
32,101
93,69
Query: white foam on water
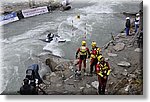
33,33
77,27
100,6
53,47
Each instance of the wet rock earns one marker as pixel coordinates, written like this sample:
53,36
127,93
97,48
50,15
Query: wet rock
138,71
54,79
46,77
132,75
106,59
75,62
113,75
51,64
81,88
70,67
44,70
42,86
112,54
125,73
95,84
88,86
111,83
127,88
138,50
52,74
116,72
58,85
70,88
124,64
130,46
121,35
119,46
59,67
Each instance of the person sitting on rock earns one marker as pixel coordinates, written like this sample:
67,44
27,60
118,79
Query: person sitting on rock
103,71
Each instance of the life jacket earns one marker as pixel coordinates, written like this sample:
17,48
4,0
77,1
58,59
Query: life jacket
95,52
104,68
83,50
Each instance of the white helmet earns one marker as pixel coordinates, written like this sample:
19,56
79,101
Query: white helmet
137,14
128,18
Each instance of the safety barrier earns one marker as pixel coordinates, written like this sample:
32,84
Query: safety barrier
15,16
34,11
5,19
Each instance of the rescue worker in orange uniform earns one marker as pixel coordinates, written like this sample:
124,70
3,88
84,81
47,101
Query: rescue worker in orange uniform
83,51
96,51
103,71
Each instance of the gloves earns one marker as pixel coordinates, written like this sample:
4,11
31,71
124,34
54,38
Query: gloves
89,56
76,56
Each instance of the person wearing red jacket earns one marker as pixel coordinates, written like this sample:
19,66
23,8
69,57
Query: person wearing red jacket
96,51
103,71
82,52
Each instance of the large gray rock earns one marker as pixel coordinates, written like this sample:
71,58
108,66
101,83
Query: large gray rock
106,59
138,50
88,86
125,73
119,46
127,88
95,84
121,35
53,74
112,54
124,64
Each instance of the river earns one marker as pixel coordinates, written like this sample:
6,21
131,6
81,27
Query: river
20,40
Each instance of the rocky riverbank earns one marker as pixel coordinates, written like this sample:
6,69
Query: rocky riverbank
126,76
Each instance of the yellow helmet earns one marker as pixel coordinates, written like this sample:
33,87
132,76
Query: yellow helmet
93,44
83,43
100,57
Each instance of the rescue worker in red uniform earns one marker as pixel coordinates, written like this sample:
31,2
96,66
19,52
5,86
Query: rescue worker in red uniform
103,71
83,51
96,51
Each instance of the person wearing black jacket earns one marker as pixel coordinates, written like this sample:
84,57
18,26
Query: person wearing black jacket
27,89
127,26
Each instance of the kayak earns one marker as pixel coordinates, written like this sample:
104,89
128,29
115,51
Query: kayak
59,40
46,40
68,7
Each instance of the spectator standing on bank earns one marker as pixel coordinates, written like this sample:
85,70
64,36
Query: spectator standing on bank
127,26
137,22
